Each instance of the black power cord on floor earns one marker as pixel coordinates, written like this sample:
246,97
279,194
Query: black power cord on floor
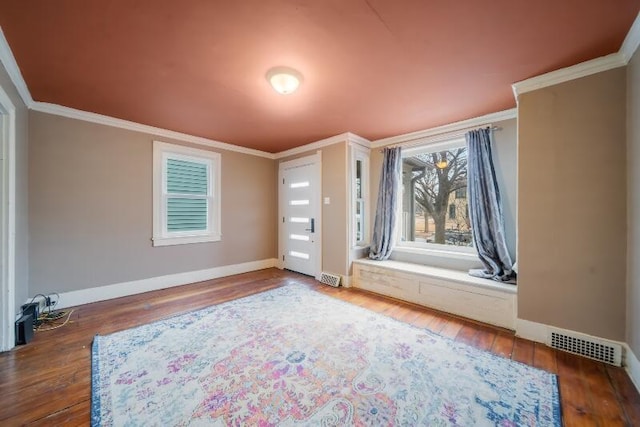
49,318
50,321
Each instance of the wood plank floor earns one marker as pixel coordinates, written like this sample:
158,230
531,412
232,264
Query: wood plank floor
48,381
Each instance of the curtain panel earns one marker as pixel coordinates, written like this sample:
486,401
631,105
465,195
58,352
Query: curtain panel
385,220
485,210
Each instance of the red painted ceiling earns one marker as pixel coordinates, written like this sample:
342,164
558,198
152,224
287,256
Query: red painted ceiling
377,68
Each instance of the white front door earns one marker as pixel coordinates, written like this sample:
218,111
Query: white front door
299,212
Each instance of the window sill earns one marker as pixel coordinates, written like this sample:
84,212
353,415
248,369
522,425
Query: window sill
170,241
360,246
438,258
440,253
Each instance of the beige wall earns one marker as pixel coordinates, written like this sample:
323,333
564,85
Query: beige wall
22,203
336,224
572,205
334,215
90,190
633,204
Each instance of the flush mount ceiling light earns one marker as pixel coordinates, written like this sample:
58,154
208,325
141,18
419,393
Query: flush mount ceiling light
284,80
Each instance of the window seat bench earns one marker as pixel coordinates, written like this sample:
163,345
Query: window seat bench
451,291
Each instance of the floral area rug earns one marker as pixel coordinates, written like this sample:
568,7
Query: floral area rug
292,356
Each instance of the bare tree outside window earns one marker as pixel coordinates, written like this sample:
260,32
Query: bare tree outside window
434,201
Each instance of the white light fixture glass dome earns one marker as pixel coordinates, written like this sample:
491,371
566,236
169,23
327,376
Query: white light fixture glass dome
284,80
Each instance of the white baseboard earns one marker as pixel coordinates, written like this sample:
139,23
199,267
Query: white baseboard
101,293
539,332
346,281
533,331
632,365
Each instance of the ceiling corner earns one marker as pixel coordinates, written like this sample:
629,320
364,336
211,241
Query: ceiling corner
10,64
357,139
631,42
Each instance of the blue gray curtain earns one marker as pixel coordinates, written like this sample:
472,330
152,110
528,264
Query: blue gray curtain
485,210
385,221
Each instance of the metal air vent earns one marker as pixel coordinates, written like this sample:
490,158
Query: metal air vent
330,279
586,346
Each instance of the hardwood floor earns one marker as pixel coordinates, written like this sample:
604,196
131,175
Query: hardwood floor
48,381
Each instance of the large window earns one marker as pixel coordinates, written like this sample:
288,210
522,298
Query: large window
186,196
434,203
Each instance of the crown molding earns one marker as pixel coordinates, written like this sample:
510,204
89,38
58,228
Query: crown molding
357,139
10,64
86,116
347,136
448,128
584,69
631,42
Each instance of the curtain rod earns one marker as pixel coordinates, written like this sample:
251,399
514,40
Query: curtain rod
440,137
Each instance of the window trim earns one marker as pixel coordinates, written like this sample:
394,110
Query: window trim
423,247
362,154
416,247
161,237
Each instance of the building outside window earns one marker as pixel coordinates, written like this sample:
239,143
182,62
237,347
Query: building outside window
434,202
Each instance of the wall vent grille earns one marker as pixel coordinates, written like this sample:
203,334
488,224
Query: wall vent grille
330,279
602,351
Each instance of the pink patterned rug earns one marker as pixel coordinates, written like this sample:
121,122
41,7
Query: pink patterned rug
292,357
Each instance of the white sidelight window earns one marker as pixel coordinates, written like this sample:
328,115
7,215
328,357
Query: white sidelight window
359,208
186,195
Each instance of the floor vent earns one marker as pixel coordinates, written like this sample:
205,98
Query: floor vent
330,279
587,346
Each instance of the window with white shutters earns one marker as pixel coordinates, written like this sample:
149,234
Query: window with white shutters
186,195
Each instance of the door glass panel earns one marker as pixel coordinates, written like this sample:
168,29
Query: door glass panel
299,184
299,237
299,255
299,220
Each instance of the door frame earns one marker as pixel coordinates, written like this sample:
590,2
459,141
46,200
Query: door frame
8,222
316,161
